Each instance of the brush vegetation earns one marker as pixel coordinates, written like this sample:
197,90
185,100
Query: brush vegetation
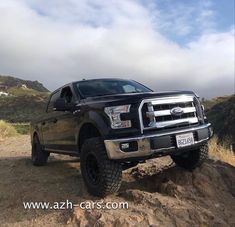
221,151
221,113
22,128
6,130
23,99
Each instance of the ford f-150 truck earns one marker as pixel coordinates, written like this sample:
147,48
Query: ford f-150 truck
114,124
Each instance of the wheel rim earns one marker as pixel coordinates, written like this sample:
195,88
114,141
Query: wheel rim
92,169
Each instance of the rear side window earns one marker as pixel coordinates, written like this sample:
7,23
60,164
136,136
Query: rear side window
53,98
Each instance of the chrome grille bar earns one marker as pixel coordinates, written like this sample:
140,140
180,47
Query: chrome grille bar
159,112
168,112
164,124
173,100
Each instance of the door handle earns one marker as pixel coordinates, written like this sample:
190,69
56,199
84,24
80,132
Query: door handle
55,120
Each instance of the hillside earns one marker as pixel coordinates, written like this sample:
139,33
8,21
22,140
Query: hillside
221,113
21,100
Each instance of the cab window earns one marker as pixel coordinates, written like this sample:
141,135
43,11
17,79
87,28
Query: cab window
130,89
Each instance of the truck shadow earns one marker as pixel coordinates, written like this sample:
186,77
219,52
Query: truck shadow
151,179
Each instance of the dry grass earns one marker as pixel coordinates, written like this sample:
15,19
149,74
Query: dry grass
6,130
219,152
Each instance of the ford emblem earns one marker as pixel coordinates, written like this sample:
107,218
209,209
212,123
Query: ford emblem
177,111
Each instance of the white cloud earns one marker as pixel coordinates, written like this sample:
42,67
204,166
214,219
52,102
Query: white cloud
56,42
179,18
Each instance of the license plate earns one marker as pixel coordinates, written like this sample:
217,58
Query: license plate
184,140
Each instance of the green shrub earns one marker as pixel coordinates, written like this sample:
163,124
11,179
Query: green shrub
6,130
21,128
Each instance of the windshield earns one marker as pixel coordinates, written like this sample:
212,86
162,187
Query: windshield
92,88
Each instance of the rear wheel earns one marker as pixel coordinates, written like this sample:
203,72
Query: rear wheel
191,159
101,175
39,156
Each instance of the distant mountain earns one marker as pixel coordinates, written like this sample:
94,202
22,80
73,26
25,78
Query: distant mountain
21,100
7,82
221,113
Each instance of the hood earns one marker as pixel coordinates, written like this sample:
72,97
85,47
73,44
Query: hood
135,97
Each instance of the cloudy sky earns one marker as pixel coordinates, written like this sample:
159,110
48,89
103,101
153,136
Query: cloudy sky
165,44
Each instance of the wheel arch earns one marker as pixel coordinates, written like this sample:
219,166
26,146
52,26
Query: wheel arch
87,130
35,132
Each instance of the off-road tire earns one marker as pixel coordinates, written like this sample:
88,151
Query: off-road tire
39,156
101,175
191,159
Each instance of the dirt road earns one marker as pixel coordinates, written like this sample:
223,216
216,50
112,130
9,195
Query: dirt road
158,193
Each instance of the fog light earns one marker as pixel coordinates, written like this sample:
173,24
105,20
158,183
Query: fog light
125,146
129,146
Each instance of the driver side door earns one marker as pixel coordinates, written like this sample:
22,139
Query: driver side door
66,124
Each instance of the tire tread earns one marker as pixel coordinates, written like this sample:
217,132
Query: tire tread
111,173
194,159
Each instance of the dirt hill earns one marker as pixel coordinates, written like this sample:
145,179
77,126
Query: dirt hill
158,193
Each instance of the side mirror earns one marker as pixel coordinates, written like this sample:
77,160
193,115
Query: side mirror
61,105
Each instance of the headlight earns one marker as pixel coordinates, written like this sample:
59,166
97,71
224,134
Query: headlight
114,113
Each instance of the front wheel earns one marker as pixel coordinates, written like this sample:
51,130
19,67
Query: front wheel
39,156
191,159
101,175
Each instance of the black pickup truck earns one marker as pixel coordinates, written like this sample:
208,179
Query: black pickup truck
114,124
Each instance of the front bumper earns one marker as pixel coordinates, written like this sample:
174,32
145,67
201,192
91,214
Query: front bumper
159,143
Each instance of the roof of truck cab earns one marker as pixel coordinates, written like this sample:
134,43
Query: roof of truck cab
101,79
74,82
119,79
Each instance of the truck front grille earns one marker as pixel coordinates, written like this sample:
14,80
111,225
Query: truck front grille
167,112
